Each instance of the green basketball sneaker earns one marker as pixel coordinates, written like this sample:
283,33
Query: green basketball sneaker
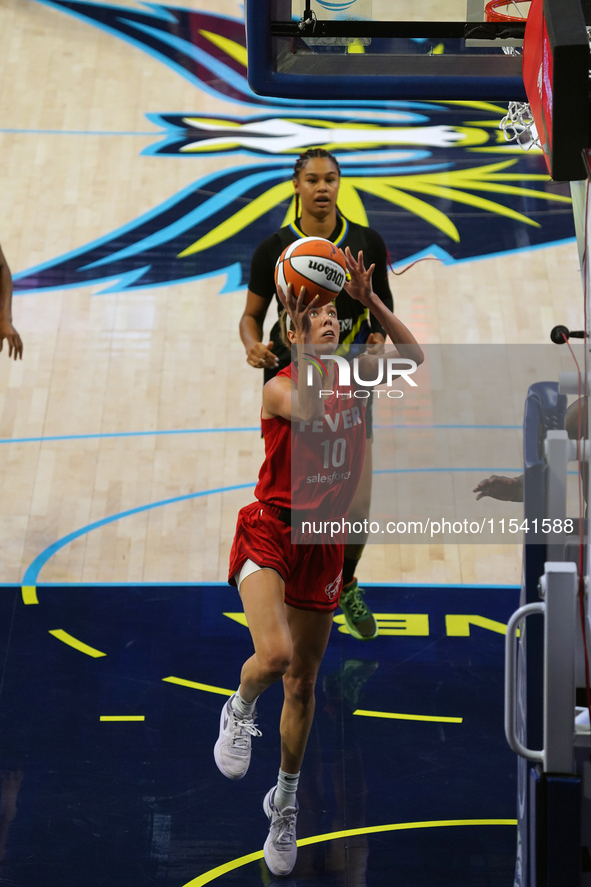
359,618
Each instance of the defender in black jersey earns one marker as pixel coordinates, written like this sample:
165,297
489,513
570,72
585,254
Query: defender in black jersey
316,183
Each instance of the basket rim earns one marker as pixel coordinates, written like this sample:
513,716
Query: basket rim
491,13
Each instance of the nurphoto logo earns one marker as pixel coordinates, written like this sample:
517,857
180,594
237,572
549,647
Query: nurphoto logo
388,370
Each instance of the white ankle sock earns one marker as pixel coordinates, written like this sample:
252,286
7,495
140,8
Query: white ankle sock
285,793
241,706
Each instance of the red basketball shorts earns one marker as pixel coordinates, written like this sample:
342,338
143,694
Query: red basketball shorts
313,574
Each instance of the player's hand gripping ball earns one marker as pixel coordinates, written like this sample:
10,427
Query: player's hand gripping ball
315,263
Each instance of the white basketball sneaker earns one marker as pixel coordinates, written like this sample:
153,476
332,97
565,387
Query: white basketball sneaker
280,848
232,750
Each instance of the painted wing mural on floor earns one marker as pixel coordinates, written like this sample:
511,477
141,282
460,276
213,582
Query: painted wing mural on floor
434,179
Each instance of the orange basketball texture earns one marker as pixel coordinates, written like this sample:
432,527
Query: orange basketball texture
315,263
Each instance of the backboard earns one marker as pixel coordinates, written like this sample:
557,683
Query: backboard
381,50
556,62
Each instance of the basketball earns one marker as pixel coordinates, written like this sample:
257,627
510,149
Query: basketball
315,263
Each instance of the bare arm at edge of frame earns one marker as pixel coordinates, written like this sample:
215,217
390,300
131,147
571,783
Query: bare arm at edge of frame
7,330
360,288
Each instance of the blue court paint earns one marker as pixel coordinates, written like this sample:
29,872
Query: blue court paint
201,183
137,43
145,253
15,440
437,252
8,440
111,22
33,570
217,68
132,804
213,205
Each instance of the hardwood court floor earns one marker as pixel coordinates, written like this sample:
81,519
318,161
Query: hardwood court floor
131,398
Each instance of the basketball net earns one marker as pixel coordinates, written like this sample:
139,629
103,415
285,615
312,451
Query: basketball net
518,125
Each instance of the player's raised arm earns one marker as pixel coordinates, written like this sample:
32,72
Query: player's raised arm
314,331
360,287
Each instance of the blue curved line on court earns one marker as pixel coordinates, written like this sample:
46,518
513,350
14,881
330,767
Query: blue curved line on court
436,470
15,440
33,570
139,44
184,47
232,284
9,440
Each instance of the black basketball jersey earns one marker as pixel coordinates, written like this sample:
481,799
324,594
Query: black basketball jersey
355,320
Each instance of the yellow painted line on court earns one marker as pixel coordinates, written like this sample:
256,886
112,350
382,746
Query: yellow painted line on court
208,688
123,718
29,593
398,717
74,642
212,874
240,618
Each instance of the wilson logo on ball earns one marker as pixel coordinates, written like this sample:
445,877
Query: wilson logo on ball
314,263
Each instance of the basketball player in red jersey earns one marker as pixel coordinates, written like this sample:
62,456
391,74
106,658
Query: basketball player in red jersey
316,180
289,591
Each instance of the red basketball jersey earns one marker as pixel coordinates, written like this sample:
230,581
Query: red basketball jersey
314,466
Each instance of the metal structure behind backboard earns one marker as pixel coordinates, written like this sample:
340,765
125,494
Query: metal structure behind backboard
392,53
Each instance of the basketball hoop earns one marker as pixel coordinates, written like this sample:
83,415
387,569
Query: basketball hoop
518,125
493,11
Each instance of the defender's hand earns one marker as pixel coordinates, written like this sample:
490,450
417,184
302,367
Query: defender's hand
15,345
359,285
375,343
506,489
261,356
